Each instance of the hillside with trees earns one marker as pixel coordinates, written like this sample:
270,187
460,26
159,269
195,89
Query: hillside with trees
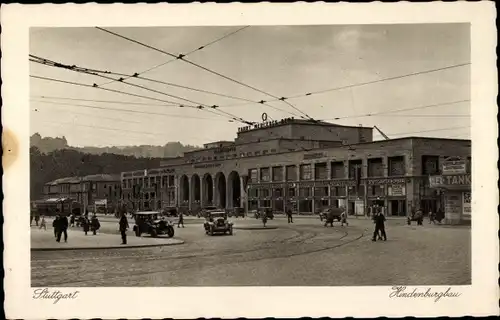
52,158
170,149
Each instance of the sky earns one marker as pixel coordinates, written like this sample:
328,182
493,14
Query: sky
283,61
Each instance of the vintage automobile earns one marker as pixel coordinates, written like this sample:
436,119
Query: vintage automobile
170,212
331,213
236,212
148,222
206,210
217,222
265,210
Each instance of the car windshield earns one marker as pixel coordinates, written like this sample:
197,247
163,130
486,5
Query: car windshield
217,214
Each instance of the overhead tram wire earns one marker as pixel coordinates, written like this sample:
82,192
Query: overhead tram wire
85,71
129,110
128,76
104,101
366,83
89,115
186,54
181,57
431,130
397,110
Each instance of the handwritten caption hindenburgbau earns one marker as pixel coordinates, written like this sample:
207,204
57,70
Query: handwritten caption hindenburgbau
403,292
56,295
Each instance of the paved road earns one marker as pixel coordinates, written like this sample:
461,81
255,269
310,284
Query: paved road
303,253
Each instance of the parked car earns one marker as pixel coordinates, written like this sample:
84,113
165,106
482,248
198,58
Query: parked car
217,222
206,210
236,212
265,210
170,212
331,214
148,222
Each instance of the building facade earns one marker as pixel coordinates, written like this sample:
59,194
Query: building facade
103,188
302,165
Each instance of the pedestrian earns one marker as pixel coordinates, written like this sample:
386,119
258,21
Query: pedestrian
420,217
379,219
343,218
264,218
95,224
85,224
289,215
55,225
43,224
63,228
329,218
31,220
72,220
181,220
432,217
37,218
123,224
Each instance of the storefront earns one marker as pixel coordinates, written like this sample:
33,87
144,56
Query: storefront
456,191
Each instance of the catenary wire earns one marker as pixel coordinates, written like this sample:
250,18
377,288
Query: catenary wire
186,54
431,130
131,111
84,71
90,115
181,57
105,101
398,110
363,83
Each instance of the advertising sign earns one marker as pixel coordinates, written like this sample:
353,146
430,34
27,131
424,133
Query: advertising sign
359,207
466,204
396,190
453,204
454,165
450,180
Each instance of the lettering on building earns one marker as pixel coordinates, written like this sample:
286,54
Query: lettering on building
385,181
316,155
225,149
207,165
160,171
450,180
454,165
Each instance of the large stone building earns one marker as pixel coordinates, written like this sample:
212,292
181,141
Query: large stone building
303,165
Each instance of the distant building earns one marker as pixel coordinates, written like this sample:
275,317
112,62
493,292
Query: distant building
303,165
103,188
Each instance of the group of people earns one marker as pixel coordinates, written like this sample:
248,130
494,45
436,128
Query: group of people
61,225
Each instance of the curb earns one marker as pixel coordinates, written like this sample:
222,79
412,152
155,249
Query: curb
255,228
179,242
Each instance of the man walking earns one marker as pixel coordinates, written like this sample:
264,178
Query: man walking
55,225
181,220
379,226
123,227
289,215
63,228
95,224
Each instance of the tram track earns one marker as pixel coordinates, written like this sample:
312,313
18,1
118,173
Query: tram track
224,254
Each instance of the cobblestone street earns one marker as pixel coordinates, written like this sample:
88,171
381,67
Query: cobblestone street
303,253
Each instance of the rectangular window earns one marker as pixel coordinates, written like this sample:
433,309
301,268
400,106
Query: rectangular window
252,175
164,181
291,192
337,170
338,192
278,192
397,166
321,191
264,174
291,173
252,192
320,171
277,173
264,193
375,167
430,165
305,192
355,169
305,172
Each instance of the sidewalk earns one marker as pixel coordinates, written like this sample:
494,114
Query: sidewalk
42,240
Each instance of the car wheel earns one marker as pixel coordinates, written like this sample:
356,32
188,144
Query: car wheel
170,232
154,234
